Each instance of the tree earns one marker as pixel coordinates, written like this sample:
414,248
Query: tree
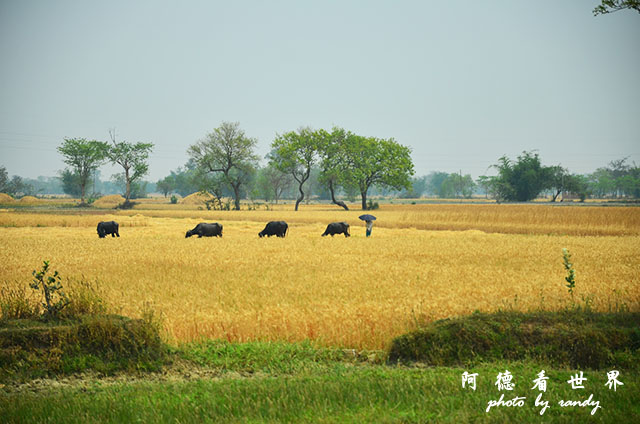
272,183
295,153
520,181
229,152
558,181
165,185
456,185
83,156
434,182
133,160
610,6
370,161
334,162
15,185
71,183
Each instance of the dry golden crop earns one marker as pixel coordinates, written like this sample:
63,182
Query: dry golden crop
356,292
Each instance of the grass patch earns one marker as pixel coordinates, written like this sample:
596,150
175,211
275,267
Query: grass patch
274,358
104,343
366,393
574,338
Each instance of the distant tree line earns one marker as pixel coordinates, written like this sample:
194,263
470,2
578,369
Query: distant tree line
335,166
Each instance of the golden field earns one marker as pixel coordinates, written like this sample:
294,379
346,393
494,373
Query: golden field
423,262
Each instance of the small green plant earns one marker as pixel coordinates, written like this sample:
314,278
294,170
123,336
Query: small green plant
51,288
372,205
174,199
571,273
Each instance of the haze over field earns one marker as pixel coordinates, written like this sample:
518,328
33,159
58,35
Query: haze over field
462,83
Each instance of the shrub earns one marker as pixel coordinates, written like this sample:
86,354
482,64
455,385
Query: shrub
54,298
569,338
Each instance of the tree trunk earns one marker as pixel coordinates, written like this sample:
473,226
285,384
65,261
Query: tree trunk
128,185
364,200
82,189
301,198
555,196
236,194
333,197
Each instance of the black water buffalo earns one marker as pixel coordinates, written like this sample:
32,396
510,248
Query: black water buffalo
206,230
275,228
108,227
337,228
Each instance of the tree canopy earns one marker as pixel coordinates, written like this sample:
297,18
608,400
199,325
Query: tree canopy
294,153
84,157
227,151
133,160
610,6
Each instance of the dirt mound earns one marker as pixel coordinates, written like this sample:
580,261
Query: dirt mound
196,199
30,200
5,198
109,201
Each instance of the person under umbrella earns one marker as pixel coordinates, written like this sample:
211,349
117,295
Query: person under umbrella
369,220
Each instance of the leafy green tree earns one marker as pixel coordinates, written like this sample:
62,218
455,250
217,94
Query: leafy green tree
434,182
227,151
456,185
559,180
520,181
165,185
133,160
271,184
15,185
334,161
578,185
83,156
610,6
70,183
382,162
295,153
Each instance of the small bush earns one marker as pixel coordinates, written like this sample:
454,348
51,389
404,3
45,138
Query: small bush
574,338
174,199
372,205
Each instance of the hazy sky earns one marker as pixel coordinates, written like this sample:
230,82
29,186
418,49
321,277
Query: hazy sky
460,82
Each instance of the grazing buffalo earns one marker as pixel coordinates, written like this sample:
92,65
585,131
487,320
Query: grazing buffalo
275,228
108,227
337,228
206,230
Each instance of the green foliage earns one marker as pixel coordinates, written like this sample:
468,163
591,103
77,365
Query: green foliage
341,394
295,153
457,186
83,156
350,160
574,338
174,200
228,154
104,343
610,6
133,160
571,272
51,288
14,186
520,181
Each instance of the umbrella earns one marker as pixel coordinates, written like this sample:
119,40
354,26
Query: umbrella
367,217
